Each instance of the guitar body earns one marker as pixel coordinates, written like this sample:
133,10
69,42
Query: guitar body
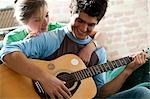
16,86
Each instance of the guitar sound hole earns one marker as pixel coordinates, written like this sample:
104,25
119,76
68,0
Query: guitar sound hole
71,83
70,80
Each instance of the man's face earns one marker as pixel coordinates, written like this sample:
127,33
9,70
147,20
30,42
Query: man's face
82,25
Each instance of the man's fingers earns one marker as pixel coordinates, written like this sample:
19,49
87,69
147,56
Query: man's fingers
64,94
66,90
59,95
140,58
143,56
52,96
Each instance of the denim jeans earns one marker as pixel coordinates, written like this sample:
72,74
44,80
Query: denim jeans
139,92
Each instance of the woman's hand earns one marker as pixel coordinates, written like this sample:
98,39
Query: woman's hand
32,34
86,52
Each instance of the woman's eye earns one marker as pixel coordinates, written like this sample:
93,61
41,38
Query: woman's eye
37,20
47,15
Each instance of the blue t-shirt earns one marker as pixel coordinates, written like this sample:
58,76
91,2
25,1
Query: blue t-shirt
53,44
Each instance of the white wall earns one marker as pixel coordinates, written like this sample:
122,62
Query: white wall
6,3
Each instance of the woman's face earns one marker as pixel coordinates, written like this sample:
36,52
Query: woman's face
38,22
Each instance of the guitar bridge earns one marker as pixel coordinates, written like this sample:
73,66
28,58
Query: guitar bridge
39,90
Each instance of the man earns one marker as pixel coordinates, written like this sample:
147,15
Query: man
86,14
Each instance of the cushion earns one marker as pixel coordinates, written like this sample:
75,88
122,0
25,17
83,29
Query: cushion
140,77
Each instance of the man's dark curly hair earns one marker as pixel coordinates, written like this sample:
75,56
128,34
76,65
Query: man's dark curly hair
94,8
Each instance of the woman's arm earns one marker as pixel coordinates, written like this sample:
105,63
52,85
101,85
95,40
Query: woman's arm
97,42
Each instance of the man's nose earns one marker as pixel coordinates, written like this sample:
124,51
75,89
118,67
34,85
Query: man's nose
84,27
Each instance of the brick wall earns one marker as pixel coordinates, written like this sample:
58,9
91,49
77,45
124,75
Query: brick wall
126,24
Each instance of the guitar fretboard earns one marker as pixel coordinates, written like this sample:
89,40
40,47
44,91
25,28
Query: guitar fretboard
97,69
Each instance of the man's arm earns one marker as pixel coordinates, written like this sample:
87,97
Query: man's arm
15,57
113,86
18,62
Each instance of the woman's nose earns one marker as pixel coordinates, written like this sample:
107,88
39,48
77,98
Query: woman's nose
45,20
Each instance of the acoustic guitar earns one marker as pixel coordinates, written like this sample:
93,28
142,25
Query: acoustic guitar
68,68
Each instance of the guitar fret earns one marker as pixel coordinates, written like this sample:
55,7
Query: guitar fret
124,61
84,72
92,71
98,70
120,62
117,63
81,74
105,69
110,64
76,75
109,67
113,64
101,67
95,69
128,59
87,73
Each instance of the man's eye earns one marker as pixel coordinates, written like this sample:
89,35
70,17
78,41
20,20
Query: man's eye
80,21
92,25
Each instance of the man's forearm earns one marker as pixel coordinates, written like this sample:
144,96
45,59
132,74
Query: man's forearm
18,62
114,86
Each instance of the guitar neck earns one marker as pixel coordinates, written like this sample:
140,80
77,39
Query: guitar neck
100,68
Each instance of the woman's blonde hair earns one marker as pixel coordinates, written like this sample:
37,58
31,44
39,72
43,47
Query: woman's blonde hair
24,9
